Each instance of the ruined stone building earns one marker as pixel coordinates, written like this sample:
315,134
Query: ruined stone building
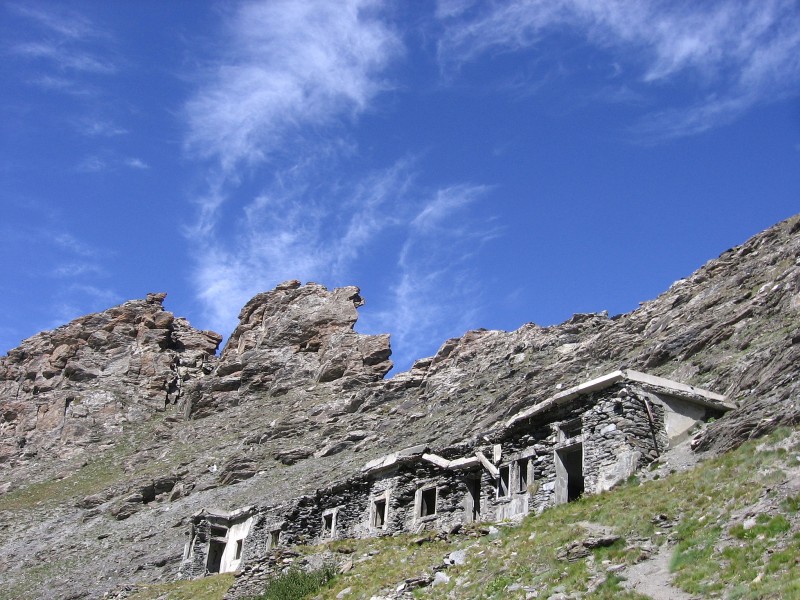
583,440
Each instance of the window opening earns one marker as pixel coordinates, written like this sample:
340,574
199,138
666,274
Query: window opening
274,538
572,428
239,544
474,491
327,525
427,505
522,472
379,513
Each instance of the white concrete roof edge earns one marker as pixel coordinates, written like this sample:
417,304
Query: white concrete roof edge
225,514
464,463
714,398
436,460
683,390
487,465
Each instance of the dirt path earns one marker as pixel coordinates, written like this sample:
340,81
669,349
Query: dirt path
652,577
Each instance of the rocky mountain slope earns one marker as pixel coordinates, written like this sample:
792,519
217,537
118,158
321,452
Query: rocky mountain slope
116,427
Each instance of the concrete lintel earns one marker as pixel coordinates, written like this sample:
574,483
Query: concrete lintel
681,390
412,450
469,462
436,460
229,515
487,464
380,463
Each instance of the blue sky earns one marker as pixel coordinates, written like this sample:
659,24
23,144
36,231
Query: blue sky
466,163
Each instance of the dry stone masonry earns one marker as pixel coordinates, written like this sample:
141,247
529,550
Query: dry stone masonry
583,440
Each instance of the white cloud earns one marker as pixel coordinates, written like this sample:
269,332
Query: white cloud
70,243
70,270
110,161
135,163
437,213
92,127
292,77
734,54
61,84
315,227
290,64
293,232
65,58
296,76
435,295
64,39
92,164
73,301
67,25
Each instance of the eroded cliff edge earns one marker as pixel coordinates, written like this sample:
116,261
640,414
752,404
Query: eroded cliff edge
119,425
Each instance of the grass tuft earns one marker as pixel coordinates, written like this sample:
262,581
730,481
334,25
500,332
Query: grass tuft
297,584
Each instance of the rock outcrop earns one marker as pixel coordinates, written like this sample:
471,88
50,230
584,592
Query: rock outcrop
118,426
80,384
294,336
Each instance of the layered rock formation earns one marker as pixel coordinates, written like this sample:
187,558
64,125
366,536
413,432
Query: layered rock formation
291,337
80,384
118,426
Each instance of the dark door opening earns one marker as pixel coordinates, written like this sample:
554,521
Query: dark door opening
327,525
569,474
215,551
474,498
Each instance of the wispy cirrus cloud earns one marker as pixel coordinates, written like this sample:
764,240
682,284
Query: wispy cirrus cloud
70,243
93,127
77,269
733,55
67,25
74,269
292,77
64,53
328,234
289,232
434,295
135,163
107,161
66,41
64,58
288,65
286,200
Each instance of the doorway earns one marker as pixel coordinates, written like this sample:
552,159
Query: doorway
215,551
569,474
473,504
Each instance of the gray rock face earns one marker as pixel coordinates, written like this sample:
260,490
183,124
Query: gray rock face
79,385
118,426
291,337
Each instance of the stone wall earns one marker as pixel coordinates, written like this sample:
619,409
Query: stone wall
582,446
